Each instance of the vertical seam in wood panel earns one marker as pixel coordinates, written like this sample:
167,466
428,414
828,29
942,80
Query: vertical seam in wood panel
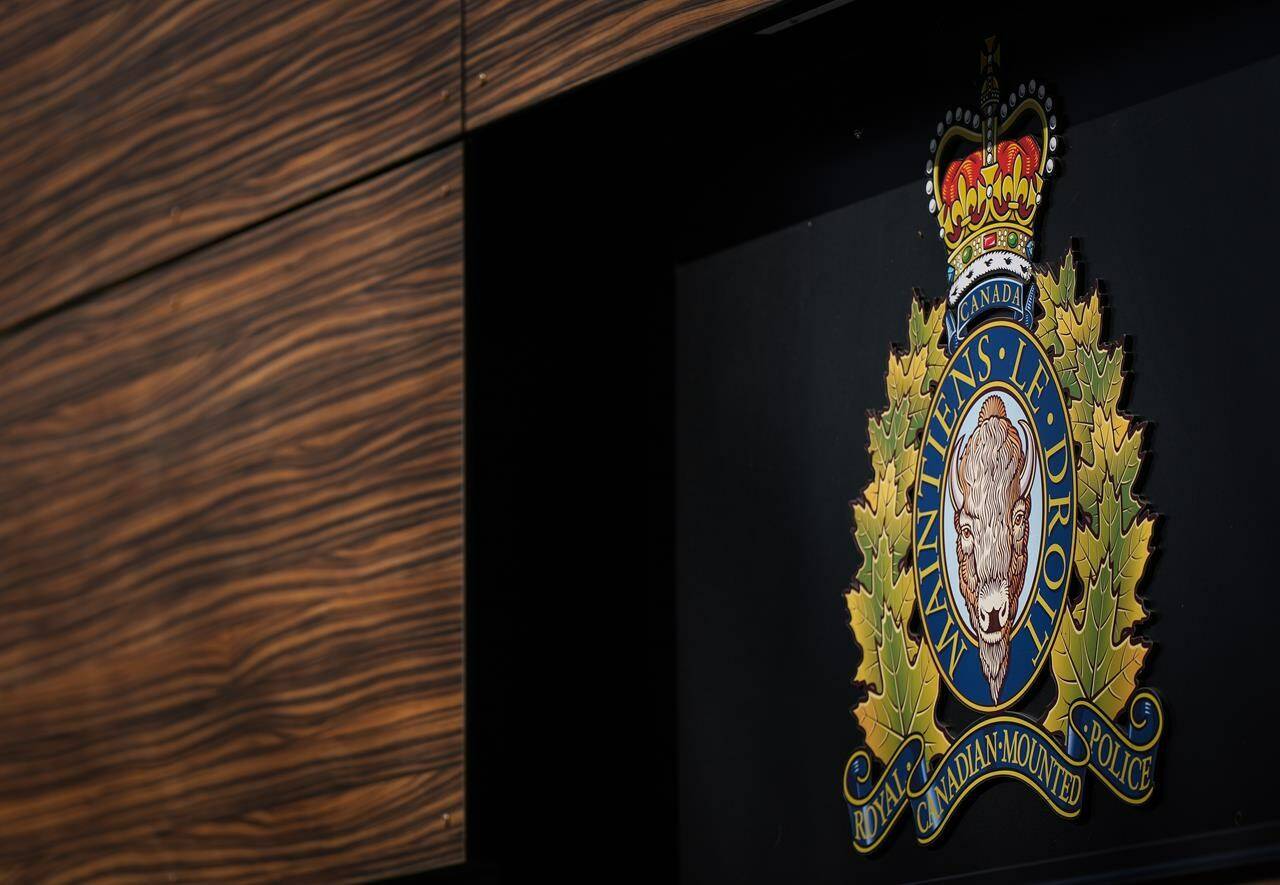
462,83
466,644
462,197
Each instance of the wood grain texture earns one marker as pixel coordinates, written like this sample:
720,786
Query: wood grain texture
521,51
134,130
231,556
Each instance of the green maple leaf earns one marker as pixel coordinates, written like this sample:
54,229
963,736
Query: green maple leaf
1096,655
1070,330
1057,294
1087,661
1101,378
868,606
904,703
891,446
902,682
1115,451
914,402
925,335
877,515
884,431
882,529
1115,554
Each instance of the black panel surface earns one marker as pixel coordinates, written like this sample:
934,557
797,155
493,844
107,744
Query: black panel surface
682,284
782,344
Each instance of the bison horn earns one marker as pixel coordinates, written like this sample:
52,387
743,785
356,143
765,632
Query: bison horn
957,493
1028,458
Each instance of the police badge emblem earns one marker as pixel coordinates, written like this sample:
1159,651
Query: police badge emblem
1003,465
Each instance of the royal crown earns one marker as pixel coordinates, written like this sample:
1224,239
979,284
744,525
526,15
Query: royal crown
986,180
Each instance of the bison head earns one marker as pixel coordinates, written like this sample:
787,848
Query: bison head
991,495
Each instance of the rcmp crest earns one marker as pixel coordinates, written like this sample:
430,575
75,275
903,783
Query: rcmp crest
1002,539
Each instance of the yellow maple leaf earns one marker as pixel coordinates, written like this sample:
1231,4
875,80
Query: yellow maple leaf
898,676
1087,661
886,594
893,445
904,703
1096,655
882,529
1080,324
925,331
906,372
1057,293
879,514
1117,551
1115,450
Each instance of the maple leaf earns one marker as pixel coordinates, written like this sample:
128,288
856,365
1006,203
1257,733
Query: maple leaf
906,371
902,682
904,703
1101,379
884,430
925,334
914,398
1115,450
882,529
1096,655
1087,661
891,446
878,514
1118,550
1058,294
1071,330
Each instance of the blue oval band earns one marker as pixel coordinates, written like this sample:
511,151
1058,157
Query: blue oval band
1001,354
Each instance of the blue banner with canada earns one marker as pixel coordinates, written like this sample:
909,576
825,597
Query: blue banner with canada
1009,746
1009,295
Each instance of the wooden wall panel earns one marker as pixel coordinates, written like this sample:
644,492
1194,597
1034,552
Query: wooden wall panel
134,130
521,51
231,556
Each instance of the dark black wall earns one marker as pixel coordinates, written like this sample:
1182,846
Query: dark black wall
682,283
782,344
570,581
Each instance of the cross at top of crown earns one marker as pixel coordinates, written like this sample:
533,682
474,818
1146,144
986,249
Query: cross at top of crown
986,176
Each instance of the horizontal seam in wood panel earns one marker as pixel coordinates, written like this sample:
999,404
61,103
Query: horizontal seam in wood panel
96,292
320,690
